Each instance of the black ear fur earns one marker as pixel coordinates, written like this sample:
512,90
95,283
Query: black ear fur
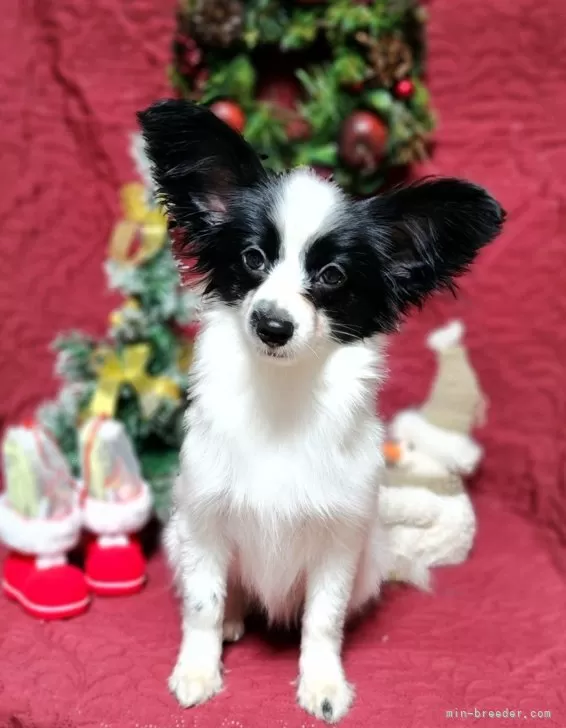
430,232
198,161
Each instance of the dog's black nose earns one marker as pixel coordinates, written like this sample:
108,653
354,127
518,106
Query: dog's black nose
273,327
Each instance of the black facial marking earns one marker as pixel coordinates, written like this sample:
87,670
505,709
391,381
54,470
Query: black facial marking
356,308
198,606
397,249
326,708
220,254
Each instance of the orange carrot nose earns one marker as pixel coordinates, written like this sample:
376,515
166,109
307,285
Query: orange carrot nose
392,452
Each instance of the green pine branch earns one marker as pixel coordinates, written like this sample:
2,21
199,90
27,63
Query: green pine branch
344,18
231,79
266,132
302,28
74,356
349,67
264,20
323,107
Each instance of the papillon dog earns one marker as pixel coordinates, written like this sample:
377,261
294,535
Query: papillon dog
277,502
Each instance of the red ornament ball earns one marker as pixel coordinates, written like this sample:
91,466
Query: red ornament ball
280,89
404,89
230,113
363,139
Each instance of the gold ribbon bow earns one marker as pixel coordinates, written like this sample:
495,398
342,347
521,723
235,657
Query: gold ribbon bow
140,219
114,371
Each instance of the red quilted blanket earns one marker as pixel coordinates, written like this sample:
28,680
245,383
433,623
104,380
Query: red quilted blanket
493,635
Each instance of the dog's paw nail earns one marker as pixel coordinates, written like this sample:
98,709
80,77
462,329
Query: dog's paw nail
192,685
328,700
232,630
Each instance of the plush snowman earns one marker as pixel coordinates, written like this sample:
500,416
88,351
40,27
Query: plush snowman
429,517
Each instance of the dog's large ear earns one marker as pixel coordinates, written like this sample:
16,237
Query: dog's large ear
429,233
198,162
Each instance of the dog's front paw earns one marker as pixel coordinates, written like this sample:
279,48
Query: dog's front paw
193,684
325,697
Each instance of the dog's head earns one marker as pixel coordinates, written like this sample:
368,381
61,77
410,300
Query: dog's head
301,262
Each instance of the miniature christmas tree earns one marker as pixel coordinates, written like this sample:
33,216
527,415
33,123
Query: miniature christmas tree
336,85
138,373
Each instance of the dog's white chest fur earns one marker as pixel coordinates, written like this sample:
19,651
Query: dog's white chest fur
283,461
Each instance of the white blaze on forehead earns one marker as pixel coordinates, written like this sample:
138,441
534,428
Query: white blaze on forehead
306,207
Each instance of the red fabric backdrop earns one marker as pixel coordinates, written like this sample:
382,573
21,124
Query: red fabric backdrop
73,75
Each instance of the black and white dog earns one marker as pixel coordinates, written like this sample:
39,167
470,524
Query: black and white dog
277,500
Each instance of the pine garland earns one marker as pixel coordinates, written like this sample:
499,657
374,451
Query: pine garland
350,59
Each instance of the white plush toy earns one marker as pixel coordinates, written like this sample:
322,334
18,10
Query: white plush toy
425,506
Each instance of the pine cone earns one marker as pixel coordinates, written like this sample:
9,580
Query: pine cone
217,23
389,57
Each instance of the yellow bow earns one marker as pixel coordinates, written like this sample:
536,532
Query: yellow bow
140,219
130,368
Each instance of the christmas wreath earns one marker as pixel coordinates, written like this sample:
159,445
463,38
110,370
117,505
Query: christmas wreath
336,85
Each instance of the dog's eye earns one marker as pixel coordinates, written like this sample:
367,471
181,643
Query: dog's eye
254,259
331,275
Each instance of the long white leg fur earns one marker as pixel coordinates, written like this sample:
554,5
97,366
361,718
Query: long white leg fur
202,562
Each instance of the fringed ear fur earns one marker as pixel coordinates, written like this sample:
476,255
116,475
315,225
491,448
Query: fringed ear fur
198,162
430,232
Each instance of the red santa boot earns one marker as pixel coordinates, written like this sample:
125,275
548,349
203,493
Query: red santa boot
117,505
40,521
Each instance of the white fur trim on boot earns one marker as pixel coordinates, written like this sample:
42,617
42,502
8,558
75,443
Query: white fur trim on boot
447,336
38,536
459,453
108,518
